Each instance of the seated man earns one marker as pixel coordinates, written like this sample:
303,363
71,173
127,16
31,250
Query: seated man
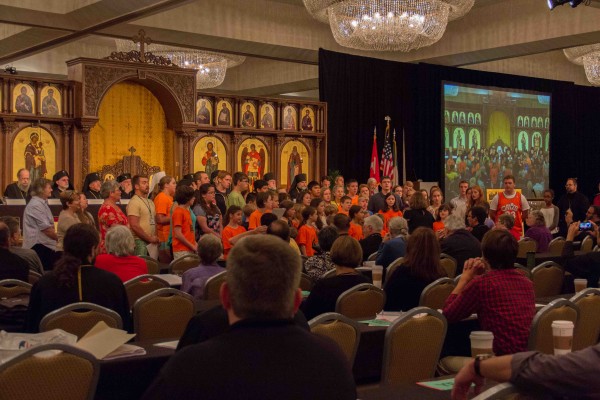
91,186
264,354
459,243
29,255
11,265
476,219
19,189
372,232
282,230
61,183
503,299
586,266
395,246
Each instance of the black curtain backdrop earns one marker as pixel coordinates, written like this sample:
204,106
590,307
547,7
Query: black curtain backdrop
361,91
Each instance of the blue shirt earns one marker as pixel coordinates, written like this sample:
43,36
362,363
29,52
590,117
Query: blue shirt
36,218
391,250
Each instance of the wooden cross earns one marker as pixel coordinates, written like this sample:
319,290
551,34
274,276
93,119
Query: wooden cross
132,150
143,41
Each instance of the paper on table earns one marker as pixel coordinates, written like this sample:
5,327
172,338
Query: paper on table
169,345
126,350
443,384
102,340
152,250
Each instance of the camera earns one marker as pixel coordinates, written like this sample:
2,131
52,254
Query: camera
585,226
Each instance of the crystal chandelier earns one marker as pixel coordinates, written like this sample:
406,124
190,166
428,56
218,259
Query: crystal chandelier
388,25
211,66
589,57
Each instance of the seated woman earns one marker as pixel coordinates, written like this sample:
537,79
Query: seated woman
120,260
538,230
346,255
210,249
318,264
74,279
420,267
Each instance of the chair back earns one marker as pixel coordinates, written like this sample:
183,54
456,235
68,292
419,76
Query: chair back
555,248
449,265
412,346
435,294
70,374
392,267
540,337
142,285
362,301
526,245
342,330
597,248
33,277
587,330
152,264
547,279
79,318
306,282
329,274
212,286
523,270
162,314
587,245
13,287
372,257
366,271
184,263
502,391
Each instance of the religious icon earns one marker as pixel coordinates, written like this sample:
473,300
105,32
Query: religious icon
446,138
523,141
540,122
34,149
546,122
248,115
204,114
474,141
537,140
23,103
455,117
446,116
51,99
534,122
526,122
307,120
462,117
459,138
547,141
520,121
209,152
267,120
289,118
471,118
478,119
224,117
252,156
294,161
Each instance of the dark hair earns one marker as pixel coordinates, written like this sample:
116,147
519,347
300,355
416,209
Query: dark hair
499,248
230,211
267,218
280,229
163,181
312,184
300,197
509,177
209,209
344,198
283,197
79,243
346,252
4,235
341,222
423,255
550,191
136,180
351,180
353,211
251,198
12,223
443,207
238,176
326,178
395,207
262,198
315,204
327,236
183,194
306,213
259,184
479,213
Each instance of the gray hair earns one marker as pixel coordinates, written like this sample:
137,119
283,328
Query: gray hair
371,180
454,222
398,226
374,222
38,186
119,241
539,218
107,188
210,248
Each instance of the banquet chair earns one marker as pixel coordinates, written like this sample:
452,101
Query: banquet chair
342,330
587,331
33,277
412,346
70,374
448,263
13,287
184,263
329,274
306,282
523,270
362,301
79,318
587,245
526,245
373,256
502,391
540,337
152,264
213,286
435,294
556,245
392,267
547,279
162,314
142,285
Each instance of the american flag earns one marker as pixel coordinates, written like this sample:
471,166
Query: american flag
387,158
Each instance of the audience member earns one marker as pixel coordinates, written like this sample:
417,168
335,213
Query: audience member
30,256
120,258
318,264
437,199
459,203
260,295
126,186
20,188
11,265
510,202
538,231
459,243
314,189
372,232
74,279
307,234
503,298
326,196
240,186
109,213
345,204
377,201
550,211
163,204
84,216
271,182
194,279
420,267
394,244
352,190
280,229
325,182
91,186
184,241
260,185
264,203
363,191
573,201
68,216
341,222
208,214
346,255
585,265
338,193
476,222
222,189
442,213
304,198
417,215
390,210
372,184
141,214
507,222
356,220
319,205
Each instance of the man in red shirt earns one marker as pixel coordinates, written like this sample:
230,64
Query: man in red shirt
510,202
503,299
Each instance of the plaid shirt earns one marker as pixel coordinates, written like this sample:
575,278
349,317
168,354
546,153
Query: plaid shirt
504,301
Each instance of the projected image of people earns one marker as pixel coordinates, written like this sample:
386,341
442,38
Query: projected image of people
497,139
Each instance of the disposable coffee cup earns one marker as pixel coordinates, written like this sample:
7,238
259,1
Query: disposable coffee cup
562,334
482,342
580,284
377,273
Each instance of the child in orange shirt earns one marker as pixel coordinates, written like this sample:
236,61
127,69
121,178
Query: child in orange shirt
345,205
442,213
234,230
357,217
184,241
264,202
389,211
307,234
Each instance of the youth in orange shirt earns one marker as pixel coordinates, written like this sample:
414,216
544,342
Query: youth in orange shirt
346,203
357,217
184,241
264,202
234,230
307,234
389,211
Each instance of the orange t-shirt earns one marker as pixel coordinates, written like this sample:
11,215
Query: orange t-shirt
438,226
181,217
254,220
228,233
356,231
389,214
307,236
162,205
354,200
511,207
341,211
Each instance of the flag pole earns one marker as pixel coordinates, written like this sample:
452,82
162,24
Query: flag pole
403,156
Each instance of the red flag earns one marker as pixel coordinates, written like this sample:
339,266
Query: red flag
374,173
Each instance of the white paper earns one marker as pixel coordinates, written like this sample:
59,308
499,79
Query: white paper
152,250
169,345
172,279
126,350
102,340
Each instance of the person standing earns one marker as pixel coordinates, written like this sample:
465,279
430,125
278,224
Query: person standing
240,185
141,214
459,203
377,201
109,213
163,203
512,203
574,202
